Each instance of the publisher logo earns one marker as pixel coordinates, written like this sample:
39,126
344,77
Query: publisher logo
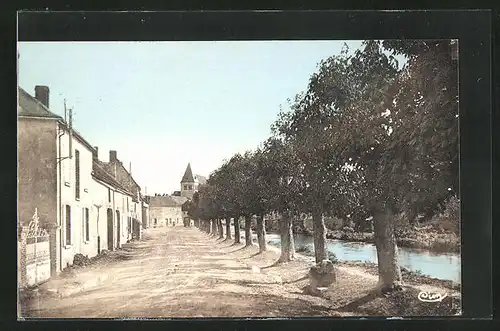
431,296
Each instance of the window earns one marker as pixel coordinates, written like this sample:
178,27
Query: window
86,224
185,187
190,187
77,174
68,225
109,194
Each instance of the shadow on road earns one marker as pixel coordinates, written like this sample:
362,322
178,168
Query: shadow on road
274,264
236,250
355,304
253,255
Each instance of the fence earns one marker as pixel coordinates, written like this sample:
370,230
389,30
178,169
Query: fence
33,254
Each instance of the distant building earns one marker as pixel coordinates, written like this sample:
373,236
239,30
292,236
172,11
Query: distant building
166,210
190,183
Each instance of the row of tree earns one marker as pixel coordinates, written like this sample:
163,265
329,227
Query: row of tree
368,137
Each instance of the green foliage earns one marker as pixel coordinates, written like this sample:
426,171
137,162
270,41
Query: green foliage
307,250
449,219
365,135
347,229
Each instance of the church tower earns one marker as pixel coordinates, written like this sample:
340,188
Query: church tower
188,183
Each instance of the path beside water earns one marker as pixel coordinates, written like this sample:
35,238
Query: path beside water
446,266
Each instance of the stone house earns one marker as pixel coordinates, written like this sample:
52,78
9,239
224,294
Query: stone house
81,201
132,207
110,208
54,176
166,210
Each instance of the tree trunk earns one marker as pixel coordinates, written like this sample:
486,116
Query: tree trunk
319,230
248,231
389,273
236,222
208,225
287,242
228,228
221,228
214,230
261,233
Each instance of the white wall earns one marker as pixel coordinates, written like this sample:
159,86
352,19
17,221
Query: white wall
92,193
78,243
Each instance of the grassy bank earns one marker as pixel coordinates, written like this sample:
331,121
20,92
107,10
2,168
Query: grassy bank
353,294
409,277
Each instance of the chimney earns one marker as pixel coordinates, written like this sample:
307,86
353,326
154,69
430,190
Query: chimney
112,156
42,94
96,153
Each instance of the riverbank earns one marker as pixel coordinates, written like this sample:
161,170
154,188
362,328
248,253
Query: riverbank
419,238
409,277
354,290
183,272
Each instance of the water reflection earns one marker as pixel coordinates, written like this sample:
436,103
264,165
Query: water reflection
438,265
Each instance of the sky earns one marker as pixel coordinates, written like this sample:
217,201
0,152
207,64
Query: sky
161,105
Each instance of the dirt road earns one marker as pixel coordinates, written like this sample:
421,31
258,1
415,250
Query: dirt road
180,272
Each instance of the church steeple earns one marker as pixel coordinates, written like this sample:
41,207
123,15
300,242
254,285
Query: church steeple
188,175
188,184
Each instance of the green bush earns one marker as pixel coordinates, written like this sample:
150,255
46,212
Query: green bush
402,226
449,219
333,223
304,249
348,229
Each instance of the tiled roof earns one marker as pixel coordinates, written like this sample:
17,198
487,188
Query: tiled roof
166,201
99,172
109,166
200,179
29,106
180,200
